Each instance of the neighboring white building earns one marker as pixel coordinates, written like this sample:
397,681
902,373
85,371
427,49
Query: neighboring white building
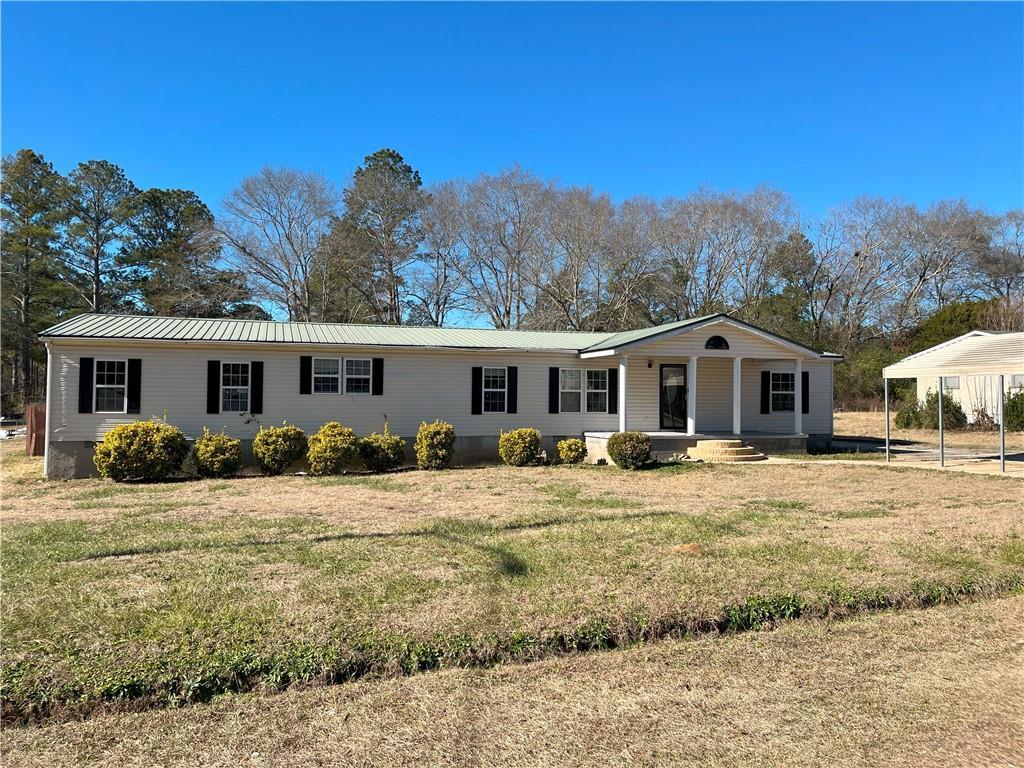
976,393
713,375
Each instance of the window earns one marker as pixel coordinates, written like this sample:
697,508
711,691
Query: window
952,382
597,391
495,382
783,391
716,342
1017,380
326,375
357,376
570,390
234,389
111,382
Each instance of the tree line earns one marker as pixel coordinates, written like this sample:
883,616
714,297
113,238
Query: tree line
510,250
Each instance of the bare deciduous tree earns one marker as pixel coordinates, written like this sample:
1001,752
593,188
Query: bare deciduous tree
273,225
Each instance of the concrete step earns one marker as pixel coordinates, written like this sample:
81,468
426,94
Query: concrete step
724,450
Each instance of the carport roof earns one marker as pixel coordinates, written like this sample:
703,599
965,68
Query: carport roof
978,353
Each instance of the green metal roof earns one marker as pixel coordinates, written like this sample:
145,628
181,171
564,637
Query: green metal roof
611,341
194,329
139,327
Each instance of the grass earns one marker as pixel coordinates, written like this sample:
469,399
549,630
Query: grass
872,424
943,687
172,593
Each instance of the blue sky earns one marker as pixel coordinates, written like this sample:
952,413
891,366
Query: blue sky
828,102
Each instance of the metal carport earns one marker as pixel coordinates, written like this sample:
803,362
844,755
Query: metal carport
975,354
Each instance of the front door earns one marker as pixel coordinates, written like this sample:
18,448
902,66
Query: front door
673,397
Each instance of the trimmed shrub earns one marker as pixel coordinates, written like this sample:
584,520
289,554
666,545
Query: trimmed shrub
1014,410
145,450
217,455
435,445
630,450
572,450
381,452
331,449
275,448
519,447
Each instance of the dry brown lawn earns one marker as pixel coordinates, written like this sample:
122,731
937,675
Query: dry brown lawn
872,424
942,687
169,592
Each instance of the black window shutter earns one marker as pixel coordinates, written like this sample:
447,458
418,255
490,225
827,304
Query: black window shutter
805,388
213,386
377,377
613,390
477,395
512,394
256,386
85,379
553,389
766,391
134,394
306,375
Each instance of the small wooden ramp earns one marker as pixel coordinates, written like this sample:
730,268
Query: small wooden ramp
724,450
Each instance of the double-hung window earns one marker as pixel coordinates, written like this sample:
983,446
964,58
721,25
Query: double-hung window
357,375
111,383
597,391
952,382
326,375
234,389
783,391
1017,381
495,389
570,395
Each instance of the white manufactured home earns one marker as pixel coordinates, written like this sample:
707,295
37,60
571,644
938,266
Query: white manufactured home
708,376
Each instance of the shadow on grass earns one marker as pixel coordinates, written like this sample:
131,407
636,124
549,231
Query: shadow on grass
448,529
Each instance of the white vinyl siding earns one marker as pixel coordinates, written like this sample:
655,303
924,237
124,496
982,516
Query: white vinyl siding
423,385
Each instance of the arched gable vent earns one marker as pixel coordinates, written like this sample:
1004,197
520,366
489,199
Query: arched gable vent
716,342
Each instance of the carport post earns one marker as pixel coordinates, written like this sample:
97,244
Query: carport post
1002,426
942,444
885,390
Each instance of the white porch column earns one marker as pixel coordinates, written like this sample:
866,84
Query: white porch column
623,365
798,397
737,389
691,396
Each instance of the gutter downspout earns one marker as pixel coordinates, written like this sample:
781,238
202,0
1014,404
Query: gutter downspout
46,411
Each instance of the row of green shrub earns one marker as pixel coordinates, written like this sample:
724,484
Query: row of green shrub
918,415
153,450
521,447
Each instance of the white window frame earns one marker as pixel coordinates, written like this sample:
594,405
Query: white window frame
339,375
580,391
96,386
248,386
588,390
1016,380
346,375
948,382
772,391
484,389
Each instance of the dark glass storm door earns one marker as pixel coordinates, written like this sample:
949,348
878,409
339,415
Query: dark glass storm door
673,397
